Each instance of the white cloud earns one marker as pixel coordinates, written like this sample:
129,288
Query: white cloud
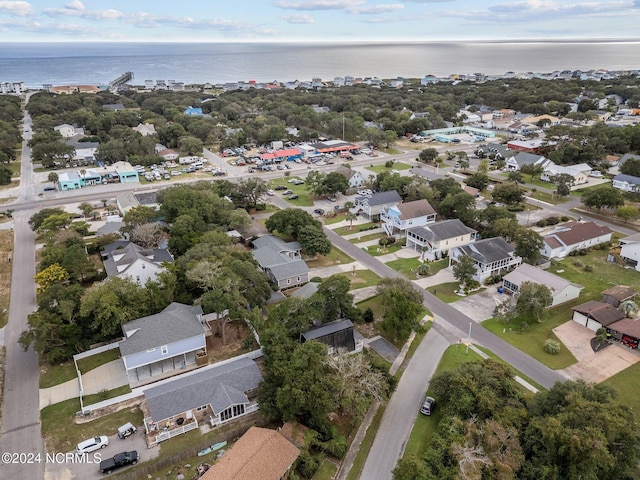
321,5
82,13
20,9
298,19
75,5
377,9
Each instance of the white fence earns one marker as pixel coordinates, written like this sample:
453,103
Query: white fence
161,437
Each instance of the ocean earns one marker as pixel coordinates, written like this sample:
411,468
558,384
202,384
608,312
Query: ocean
36,64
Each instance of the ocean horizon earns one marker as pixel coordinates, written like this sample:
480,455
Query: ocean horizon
99,63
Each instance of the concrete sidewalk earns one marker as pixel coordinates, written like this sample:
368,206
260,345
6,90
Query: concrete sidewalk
105,377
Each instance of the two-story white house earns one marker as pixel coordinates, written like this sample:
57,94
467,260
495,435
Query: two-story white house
569,236
491,256
68,131
162,343
140,265
398,218
438,239
372,205
628,251
354,177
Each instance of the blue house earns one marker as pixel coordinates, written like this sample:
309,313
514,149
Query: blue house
119,172
162,343
195,112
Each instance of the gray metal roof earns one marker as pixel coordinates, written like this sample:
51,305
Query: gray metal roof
219,387
327,329
442,230
176,322
488,250
306,290
524,158
628,156
630,179
529,273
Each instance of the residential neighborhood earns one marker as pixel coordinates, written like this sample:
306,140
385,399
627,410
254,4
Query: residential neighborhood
259,303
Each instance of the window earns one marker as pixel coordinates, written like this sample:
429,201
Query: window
298,278
164,349
151,350
203,407
288,281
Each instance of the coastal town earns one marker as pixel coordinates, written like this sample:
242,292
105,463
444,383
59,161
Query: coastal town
356,278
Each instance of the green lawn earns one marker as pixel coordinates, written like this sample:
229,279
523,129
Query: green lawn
365,446
367,238
376,251
548,198
425,426
105,395
446,291
627,385
326,471
361,279
94,361
51,375
374,303
405,266
334,257
396,166
62,434
335,219
358,227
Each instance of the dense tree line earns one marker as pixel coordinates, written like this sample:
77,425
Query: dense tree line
489,429
10,136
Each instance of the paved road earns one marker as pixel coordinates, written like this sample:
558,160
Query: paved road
20,431
401,411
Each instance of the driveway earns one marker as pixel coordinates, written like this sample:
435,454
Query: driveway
480,306
88,468
593,366
385,349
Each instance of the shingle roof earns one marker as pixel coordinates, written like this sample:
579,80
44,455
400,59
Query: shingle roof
128,254
620,292
488,250
524,158
381,198
628,156
627,326
271,253
630,179
259,454
604,313
442,230
306,290
529,273
571,233
174,323
415,209
219,387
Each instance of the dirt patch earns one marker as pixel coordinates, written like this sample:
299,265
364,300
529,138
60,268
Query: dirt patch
95,414
237,333
370,330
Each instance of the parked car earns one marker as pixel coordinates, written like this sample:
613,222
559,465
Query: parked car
270,192
332,198
92,444
596,174
49,189
279,187
428,405
293,197
319,211
287,192
119,460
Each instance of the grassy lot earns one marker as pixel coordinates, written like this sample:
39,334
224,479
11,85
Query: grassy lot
446,291
425,426
6,267
326,471
374,303
532,339
105,395
358,227
334,257
578,192
335,219
361,279
407,266
51,375
396,166
94,361
548,198
365,446
627,385
376,251
367,238
62,434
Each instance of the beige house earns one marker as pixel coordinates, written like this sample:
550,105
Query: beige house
561,290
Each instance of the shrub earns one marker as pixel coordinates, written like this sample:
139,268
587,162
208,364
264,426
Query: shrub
337,446
515,208
386,241
308,464
367,316
316,279
577,263
582,252
588,268
388,164
524,326
564,218
551,346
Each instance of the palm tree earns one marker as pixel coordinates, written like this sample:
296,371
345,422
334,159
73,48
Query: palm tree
53,178
351,217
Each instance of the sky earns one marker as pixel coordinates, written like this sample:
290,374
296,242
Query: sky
316,20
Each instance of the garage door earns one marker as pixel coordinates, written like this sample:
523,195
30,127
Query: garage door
580,318
593,325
